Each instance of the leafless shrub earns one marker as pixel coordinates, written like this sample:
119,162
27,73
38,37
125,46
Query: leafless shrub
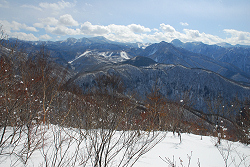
173,163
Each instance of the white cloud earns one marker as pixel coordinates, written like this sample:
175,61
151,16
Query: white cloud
192,33
168,33
52,8
88,29
56,6
237,37
24,36
118,29
64,20
138,28
49,21
15,26
62,30
167,28
18,26
32,7
59,26
30,29
129,33
38,25
7,26
67,25
56,30
183,24
45,37
125,37
122,33
138,33
67,20
240,35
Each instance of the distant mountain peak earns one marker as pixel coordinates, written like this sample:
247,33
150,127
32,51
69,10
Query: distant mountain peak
163,43
71,39
99,39
224,44
176,42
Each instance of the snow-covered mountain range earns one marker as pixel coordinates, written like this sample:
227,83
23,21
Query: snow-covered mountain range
204,71
236,55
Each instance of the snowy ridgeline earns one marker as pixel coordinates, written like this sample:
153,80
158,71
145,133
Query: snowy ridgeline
59,146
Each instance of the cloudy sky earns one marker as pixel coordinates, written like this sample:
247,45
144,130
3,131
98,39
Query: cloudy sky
208,21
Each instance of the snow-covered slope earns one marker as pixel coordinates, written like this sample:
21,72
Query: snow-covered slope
59,146
201,149
91,59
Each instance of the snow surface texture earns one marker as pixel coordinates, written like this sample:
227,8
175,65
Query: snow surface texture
197,149
203,151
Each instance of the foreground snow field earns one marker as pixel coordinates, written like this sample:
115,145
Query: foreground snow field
199,150
203,151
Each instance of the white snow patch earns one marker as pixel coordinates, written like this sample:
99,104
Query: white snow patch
143,45
124,55
203,150
105,54
110,54
85,53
